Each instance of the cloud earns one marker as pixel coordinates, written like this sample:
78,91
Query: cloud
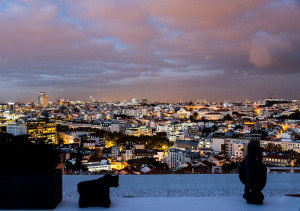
166,46
260,56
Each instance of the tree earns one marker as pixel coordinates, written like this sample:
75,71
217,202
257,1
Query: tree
229,166
3,129
149,161
78,162
139,162
195,115
68,165
60,141
98,153
238,127
192,119
227,117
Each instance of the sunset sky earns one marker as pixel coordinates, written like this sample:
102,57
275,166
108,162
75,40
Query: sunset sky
155,49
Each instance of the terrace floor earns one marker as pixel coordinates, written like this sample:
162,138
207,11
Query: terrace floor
187,192
191,203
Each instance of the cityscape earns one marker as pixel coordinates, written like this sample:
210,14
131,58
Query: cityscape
136,136
149,104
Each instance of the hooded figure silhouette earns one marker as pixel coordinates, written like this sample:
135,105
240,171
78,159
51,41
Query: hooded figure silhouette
253,174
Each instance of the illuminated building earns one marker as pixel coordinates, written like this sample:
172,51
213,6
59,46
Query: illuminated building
277,159
42,130
115,150
11,106
3,106
43,99
214,116
60,102
139,131
286,144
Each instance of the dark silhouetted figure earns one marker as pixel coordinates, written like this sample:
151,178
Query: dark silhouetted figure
253,174
95,193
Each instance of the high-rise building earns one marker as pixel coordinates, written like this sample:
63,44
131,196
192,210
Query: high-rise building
236,149
92,100
11,106
43,130
43,99
7,106
175,157
3,107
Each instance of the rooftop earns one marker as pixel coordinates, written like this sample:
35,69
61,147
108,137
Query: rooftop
187,192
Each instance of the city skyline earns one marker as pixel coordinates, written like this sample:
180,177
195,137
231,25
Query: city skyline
162,51
138,100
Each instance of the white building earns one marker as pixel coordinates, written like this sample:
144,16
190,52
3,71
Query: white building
43,99
160,128
285,135
175,130
118,128
17,129
204,146
286,144
129,154
214,116
89,144
217,144
160,115
115,150
236,149
175,157
104,165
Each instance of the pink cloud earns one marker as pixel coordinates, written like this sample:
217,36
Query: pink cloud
140,40
199,14
260,56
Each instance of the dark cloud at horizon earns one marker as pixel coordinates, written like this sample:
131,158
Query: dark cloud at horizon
160,50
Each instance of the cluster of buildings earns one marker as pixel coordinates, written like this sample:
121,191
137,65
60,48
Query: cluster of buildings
204,135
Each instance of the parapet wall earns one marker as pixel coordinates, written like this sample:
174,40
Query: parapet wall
186,185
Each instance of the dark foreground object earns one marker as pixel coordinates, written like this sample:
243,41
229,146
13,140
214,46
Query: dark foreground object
293,195
253,174
95,193
30,191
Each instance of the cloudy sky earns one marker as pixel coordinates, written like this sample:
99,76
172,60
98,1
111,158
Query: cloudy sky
154,49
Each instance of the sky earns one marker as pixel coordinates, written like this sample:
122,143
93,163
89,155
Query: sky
159,50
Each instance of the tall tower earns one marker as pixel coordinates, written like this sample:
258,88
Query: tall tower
43,99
